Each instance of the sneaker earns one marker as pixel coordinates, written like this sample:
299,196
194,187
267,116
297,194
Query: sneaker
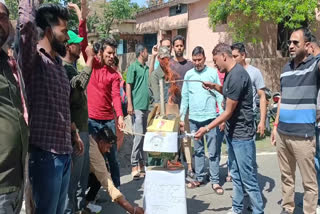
231,211
94,208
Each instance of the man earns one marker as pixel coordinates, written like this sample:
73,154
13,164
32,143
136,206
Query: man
48,92
180,66
138,106
101,143
13,126
238,114
154,63
314,48
79,119
202,111
294,127
239,54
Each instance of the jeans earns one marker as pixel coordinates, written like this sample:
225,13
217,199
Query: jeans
11,203
79,178
49,175
140,126
214,151
317,160
112,156
242,160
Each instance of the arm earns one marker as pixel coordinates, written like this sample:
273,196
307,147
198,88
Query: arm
28,36
153,59
263,111
219,96
210,85
230,107
184,100
82,79
79,147
275,126
130,81
116,99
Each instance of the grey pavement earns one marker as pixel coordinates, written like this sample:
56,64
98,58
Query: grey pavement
202,200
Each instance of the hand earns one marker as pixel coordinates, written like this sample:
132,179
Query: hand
261,128
90,52
222,126
200,133
317,11
154,50
182,126
208,85
139,210
79,147
120,122
73,6
273,136
130,109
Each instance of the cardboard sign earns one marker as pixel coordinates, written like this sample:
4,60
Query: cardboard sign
161,142
164,192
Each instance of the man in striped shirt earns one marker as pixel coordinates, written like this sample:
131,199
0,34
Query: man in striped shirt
293,132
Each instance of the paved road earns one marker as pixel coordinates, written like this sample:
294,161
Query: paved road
202,200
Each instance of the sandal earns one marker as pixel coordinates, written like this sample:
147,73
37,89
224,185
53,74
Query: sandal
193,184
218,189
135,175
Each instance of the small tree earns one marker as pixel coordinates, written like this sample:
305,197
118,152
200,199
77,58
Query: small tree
289,13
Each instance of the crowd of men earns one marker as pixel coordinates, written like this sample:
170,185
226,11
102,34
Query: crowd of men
59,125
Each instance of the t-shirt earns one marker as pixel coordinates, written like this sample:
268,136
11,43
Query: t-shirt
237,86
257,83
137,76
181,69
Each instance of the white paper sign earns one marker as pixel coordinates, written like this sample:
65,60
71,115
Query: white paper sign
164,192
161,142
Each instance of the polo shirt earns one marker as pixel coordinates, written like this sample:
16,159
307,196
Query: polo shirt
137,76
299,87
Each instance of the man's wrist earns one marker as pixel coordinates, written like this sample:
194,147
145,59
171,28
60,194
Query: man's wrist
207,128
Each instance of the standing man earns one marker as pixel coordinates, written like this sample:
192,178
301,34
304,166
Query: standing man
202,111
239,54
154,62
294,127
238,115
138,106
13,126
48,92
79,119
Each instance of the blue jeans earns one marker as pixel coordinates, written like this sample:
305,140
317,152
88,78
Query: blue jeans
112,156
49,175
79,178
214,151
242,160
317,161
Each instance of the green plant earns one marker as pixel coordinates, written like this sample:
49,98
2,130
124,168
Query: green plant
245,16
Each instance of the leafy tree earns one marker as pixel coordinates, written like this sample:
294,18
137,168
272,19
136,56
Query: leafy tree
245,16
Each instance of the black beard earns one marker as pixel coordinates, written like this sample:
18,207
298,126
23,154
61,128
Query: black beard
58,47
179,54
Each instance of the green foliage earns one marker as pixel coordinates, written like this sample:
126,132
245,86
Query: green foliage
246,15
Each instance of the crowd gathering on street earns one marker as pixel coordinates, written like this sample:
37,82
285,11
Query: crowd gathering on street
61,128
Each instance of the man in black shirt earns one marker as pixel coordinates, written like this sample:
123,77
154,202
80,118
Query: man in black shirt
238,114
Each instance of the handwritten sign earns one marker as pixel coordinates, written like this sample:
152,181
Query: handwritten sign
164,192
161,142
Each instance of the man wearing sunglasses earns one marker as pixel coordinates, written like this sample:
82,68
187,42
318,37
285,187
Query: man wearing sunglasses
293,132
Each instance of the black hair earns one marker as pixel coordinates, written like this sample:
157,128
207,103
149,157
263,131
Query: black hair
47,16
116,61
165,39
101,45
105,135
6,9
179,37
198,50
139,48
222,48
238,46
314,40
306,33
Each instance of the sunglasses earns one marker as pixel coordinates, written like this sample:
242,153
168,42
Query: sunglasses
295,42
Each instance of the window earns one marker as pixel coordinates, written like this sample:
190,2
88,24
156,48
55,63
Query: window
178,9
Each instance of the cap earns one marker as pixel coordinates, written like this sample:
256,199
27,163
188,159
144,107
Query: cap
164,52
74,38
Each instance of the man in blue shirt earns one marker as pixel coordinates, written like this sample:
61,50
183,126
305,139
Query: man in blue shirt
202,111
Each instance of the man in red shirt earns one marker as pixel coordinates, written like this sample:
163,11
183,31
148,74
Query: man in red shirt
104,95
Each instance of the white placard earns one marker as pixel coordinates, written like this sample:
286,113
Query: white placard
161,142
164,192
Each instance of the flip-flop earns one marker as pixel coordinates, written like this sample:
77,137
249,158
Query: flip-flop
193,184
142,174
217,188
135,175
